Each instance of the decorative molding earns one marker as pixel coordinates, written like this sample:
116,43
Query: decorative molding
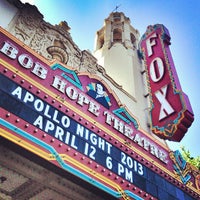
88,63
58,53
55,42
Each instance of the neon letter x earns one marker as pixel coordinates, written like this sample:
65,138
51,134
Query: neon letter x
165,109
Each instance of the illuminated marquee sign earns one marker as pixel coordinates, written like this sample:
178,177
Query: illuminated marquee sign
171,113
45,117
75,122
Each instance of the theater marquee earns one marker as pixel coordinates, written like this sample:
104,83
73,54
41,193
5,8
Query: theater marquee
171,113
74,121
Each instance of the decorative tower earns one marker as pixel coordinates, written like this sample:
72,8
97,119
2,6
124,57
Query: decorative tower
116,47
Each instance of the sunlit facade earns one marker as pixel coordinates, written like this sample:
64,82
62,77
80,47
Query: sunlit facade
78,126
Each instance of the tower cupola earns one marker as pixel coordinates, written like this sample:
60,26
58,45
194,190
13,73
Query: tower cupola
116,29
116,45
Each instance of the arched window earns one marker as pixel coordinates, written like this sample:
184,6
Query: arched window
133,40
117,35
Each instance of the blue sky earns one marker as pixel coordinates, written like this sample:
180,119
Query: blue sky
182,18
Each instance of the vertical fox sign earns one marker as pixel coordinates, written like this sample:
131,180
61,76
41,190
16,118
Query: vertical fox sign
171,113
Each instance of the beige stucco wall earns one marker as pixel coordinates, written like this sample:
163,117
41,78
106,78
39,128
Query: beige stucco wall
8,11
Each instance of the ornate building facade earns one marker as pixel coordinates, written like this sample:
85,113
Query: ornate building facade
121,158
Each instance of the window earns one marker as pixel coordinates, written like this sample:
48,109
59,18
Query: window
117,35
116,17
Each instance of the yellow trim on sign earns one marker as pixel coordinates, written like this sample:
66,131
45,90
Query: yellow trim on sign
88,170
66,157
25,144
